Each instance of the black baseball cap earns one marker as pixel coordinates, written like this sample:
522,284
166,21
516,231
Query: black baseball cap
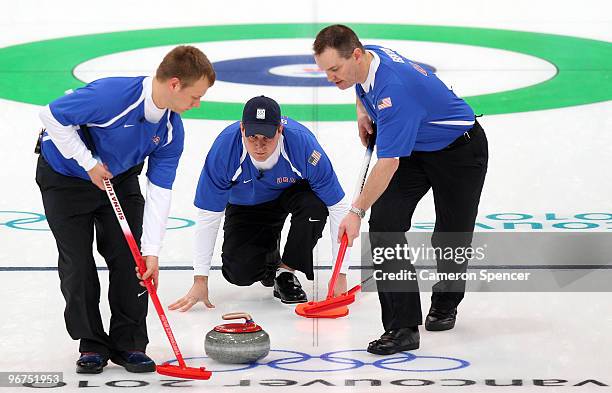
261,115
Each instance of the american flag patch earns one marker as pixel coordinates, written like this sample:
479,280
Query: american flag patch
314,158
384,103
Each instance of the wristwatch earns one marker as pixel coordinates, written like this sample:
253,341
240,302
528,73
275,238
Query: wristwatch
358,211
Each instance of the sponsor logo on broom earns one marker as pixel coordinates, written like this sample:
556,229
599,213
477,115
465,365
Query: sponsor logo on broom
118,208
116,204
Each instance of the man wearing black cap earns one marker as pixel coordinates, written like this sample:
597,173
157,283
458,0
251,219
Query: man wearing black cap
257,172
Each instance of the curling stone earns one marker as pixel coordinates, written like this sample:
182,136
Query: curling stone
237,342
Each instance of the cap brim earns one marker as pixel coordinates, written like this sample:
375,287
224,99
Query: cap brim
267,130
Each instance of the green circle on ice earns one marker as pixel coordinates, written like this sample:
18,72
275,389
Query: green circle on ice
38,72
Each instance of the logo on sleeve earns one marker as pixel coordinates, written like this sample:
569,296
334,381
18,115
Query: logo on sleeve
392,55
384,103
261,114
418,68
314,158
281,180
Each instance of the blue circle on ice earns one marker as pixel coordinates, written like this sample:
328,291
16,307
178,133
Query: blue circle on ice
293,70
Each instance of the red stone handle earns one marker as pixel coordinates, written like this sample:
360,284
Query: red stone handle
238,315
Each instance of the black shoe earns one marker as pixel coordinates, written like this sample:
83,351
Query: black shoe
288,289
440,319
396,340
134,361
270,274
91,363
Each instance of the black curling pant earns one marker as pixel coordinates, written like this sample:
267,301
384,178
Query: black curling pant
252,235
456,176
74,207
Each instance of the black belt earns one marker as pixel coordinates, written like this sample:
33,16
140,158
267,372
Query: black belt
466,137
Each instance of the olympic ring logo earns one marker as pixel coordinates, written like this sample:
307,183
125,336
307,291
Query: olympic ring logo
416,363
27,221
21,222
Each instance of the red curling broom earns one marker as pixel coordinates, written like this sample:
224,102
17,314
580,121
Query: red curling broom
336,306
182,370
